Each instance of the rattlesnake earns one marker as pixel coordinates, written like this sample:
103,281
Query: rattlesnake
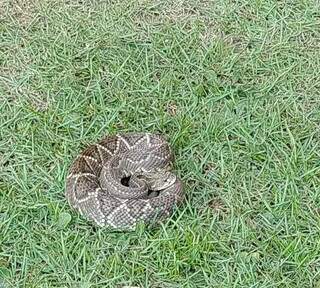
123,180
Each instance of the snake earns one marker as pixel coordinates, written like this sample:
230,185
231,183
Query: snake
123,180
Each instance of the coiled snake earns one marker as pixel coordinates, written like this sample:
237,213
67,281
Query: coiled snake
124,179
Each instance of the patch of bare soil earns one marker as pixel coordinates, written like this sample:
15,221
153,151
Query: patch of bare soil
21,11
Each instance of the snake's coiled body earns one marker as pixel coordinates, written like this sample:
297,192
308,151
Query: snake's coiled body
110,182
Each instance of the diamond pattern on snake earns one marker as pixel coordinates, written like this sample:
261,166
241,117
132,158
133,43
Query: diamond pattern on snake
123,180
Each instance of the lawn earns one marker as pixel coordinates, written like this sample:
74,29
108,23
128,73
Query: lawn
233,85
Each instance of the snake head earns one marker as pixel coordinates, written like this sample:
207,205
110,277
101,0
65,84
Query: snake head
158,180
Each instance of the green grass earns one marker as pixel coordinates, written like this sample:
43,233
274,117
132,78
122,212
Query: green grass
234,85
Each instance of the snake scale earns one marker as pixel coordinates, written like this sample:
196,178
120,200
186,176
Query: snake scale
124,179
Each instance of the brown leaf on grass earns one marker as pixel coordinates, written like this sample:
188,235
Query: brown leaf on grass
217,206
172,108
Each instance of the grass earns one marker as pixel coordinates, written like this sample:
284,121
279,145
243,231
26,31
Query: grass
234,85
